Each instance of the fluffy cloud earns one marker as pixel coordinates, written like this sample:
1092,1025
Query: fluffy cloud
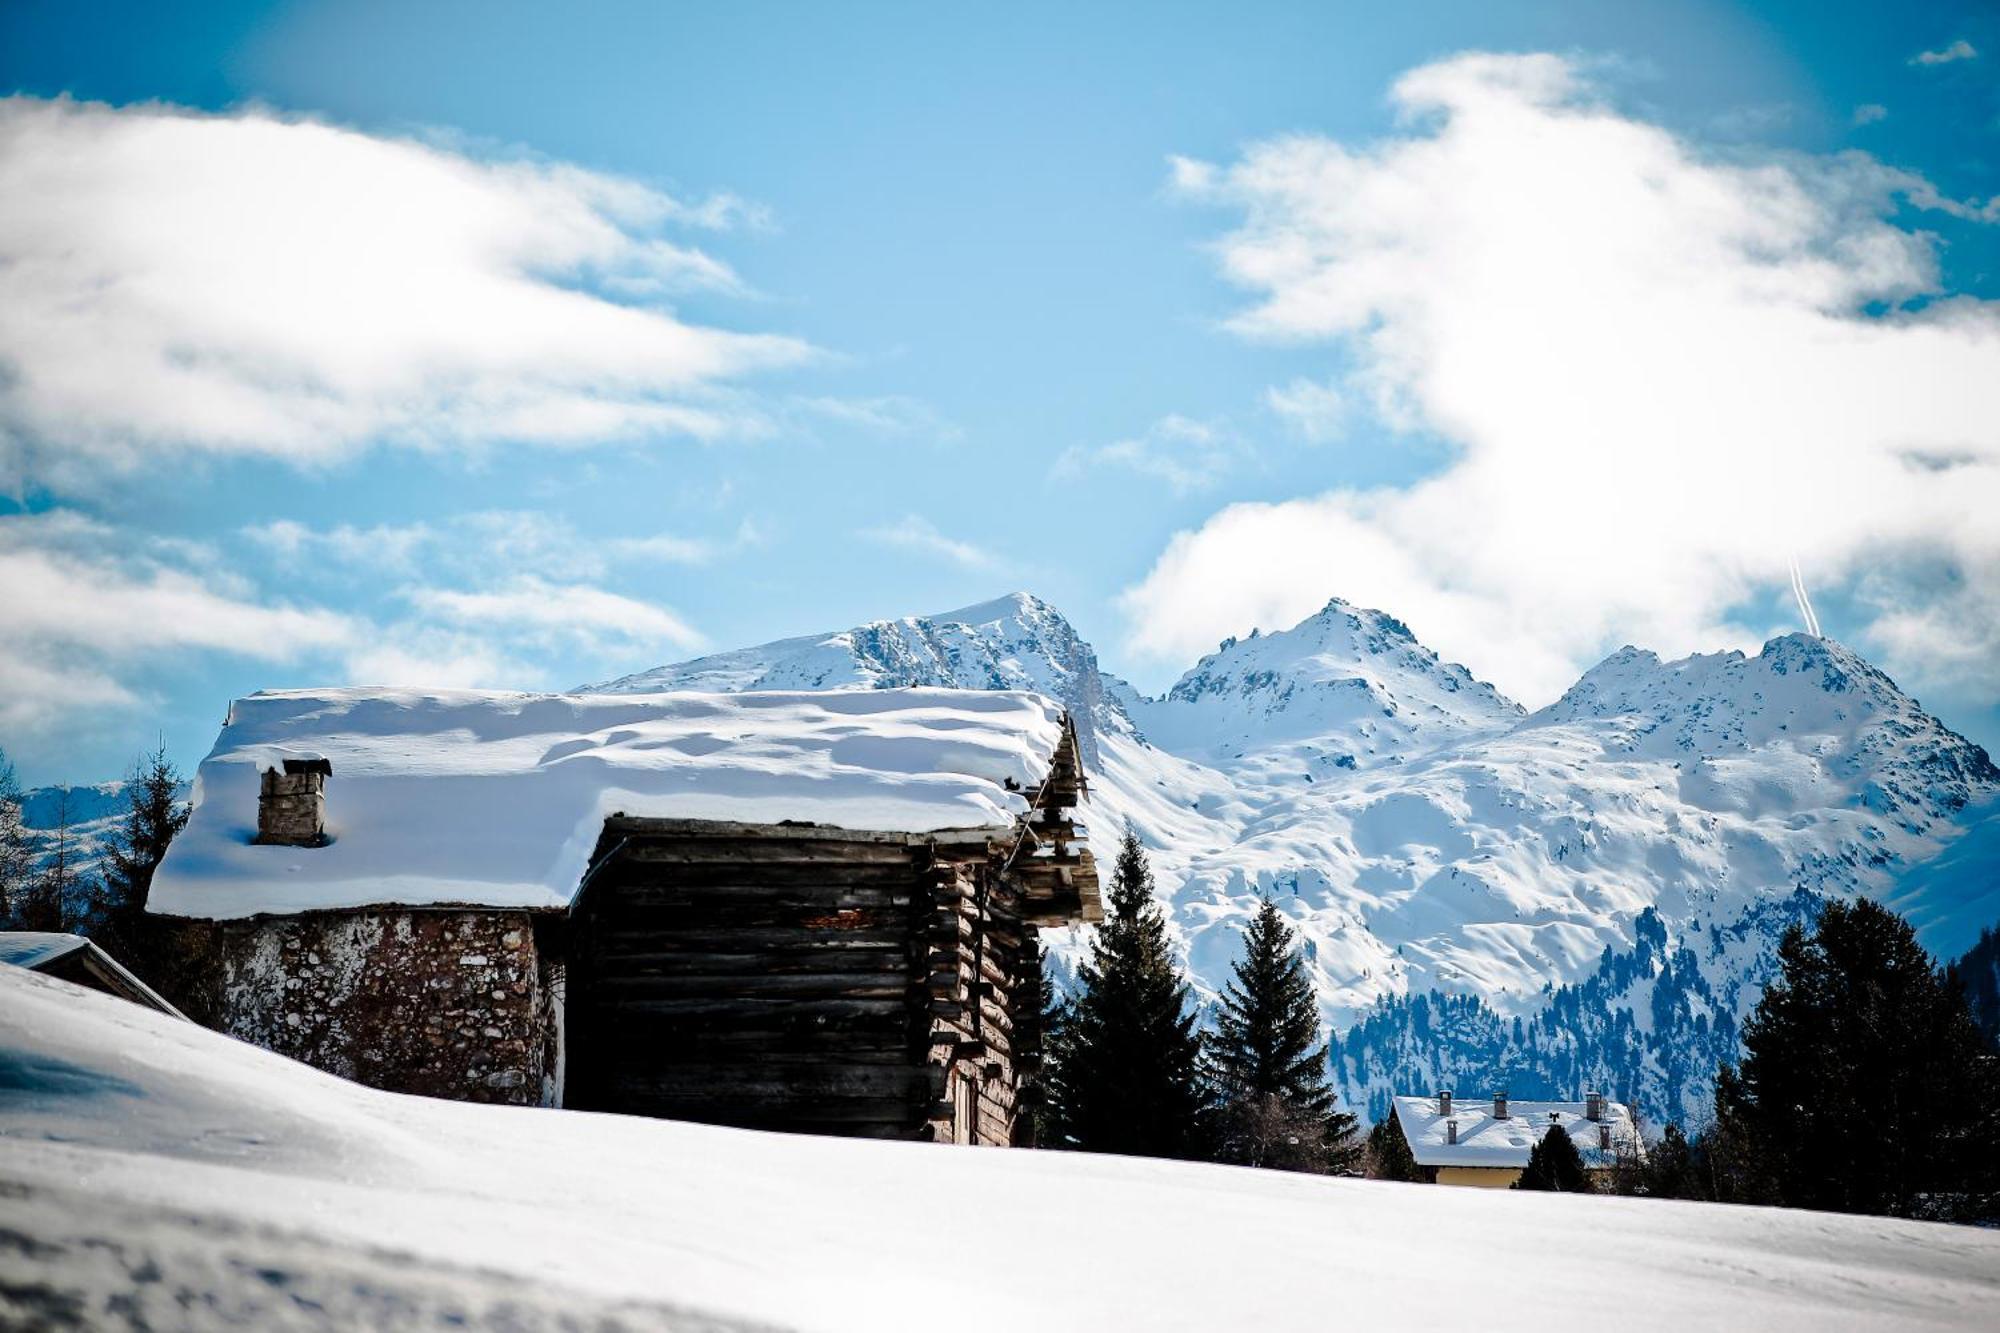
252,284
917,533
78,614
1663,372
88,609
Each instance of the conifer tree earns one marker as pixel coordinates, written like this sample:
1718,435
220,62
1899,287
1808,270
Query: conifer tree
154,815
1037,1028
1269,1065
1555,1165
1126,1072
1671,1170
1865,1085
1389,1156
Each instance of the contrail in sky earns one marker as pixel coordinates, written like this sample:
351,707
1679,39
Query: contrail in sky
1805,602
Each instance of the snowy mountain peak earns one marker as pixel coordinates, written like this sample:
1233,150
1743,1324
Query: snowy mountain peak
1345,688
1802,694
1016,642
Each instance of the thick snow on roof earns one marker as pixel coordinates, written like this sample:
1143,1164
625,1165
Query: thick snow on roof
1484,1141
498,799
135,1145
37,948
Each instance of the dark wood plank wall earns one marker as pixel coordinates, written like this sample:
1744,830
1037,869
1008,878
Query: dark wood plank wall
814,979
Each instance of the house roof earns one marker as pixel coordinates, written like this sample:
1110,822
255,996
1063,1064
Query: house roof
497,799
77,960
35,949
1484,1141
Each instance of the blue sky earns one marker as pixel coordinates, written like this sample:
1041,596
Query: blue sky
1000,339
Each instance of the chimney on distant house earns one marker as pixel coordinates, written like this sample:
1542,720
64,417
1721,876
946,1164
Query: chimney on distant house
1444,1102
1593,1106
291,804
1499,1106
1451,1130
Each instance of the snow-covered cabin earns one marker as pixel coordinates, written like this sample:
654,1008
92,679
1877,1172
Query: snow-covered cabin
806,911
1486,1141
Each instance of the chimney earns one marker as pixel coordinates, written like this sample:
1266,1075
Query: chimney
1499,1106
291,804
1450,1129
1593,1106
1444,1103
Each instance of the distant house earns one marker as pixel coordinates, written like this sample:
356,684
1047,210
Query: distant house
1486,1142
79,961
809,911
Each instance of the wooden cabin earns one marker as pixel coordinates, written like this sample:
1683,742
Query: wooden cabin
810,912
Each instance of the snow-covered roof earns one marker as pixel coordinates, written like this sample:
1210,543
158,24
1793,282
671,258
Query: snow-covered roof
1484,1141
37,948
497,799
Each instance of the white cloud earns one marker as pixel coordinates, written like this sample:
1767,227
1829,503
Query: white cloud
1658,368
80,615
253,284
1188,455
1958,50
1869,113
554,613
1314,410
89,611
476,546
916,533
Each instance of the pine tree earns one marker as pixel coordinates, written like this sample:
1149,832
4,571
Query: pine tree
1865,1085
1269,1065
17,861
1037,1029
1979,973
1555,1165
1389,1156
1126,1067
1671,1170
153,816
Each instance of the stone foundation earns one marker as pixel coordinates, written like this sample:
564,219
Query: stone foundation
454,1004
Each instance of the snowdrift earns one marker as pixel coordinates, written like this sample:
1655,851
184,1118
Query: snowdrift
144,1160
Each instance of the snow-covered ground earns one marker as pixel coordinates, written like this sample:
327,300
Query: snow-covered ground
153,1173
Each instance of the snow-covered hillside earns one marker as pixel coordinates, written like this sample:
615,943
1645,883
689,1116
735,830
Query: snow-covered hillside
157,1175
1632,850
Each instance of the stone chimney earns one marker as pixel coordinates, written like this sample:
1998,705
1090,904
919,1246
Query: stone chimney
291,804
1444,1102
1451,1129
1593,1106
1499,1106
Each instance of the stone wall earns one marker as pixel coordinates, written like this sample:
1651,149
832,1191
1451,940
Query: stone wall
456,1004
